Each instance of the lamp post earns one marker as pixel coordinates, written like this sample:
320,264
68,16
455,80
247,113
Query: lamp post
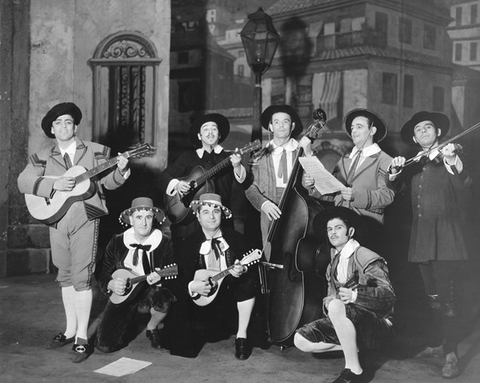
260,41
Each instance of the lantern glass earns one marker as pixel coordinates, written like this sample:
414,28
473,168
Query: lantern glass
260,41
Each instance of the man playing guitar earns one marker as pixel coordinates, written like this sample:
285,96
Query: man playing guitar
206,134
74,235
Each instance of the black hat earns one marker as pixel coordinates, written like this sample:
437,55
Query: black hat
59,110
377,121
321,219
267,114
440,120
221,121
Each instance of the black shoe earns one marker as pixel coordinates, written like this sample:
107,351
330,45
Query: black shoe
58,341
81,352
347,376
243,349
154,337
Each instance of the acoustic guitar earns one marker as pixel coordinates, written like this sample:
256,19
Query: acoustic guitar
178,206
52,209
215,278
134,282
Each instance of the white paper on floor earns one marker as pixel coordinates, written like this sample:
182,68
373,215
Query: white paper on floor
123,366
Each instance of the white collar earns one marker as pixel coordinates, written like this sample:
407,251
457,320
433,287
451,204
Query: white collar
70,150
290,146
206,246
216,149
349,248
366,152
153,240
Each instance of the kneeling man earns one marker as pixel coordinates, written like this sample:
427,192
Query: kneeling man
360,297
142,252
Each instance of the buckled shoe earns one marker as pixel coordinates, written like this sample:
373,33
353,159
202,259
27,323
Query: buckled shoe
58,341
81,352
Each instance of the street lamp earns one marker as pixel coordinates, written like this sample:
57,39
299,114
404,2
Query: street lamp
260,41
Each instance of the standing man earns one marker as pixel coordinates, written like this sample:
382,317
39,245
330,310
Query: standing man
216,248
438,241
360,298
362,171
73,238
143,250
206,134
272,166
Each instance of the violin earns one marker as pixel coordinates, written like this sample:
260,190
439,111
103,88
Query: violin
439,157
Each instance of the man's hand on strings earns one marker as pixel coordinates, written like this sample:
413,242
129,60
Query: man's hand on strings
271,210
64,184
183,187
200,287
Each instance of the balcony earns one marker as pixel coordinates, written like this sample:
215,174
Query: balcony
352,39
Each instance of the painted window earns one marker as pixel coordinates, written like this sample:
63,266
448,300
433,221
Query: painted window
389,88
405,31
124,69
429,37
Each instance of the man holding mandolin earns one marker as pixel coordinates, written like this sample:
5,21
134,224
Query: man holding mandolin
73,230
209,308
140,254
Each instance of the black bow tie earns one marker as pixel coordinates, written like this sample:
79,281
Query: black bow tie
138,246
217,250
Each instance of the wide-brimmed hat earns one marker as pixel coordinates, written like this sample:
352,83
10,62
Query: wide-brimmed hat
321,219
377,121
221,121
210,199
59,110
440,120
267,114
141,203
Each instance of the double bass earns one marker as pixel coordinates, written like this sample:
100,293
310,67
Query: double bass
295,290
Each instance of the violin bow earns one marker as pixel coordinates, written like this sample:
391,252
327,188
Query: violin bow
439,147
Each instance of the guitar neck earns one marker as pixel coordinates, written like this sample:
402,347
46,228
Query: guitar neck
98,169
211,172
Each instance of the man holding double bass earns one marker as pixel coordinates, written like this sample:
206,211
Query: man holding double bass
272,166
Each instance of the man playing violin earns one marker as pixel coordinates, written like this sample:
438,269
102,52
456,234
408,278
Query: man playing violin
206,134
74,237
438,242
272,166
143,250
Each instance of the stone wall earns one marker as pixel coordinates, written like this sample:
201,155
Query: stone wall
44,52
